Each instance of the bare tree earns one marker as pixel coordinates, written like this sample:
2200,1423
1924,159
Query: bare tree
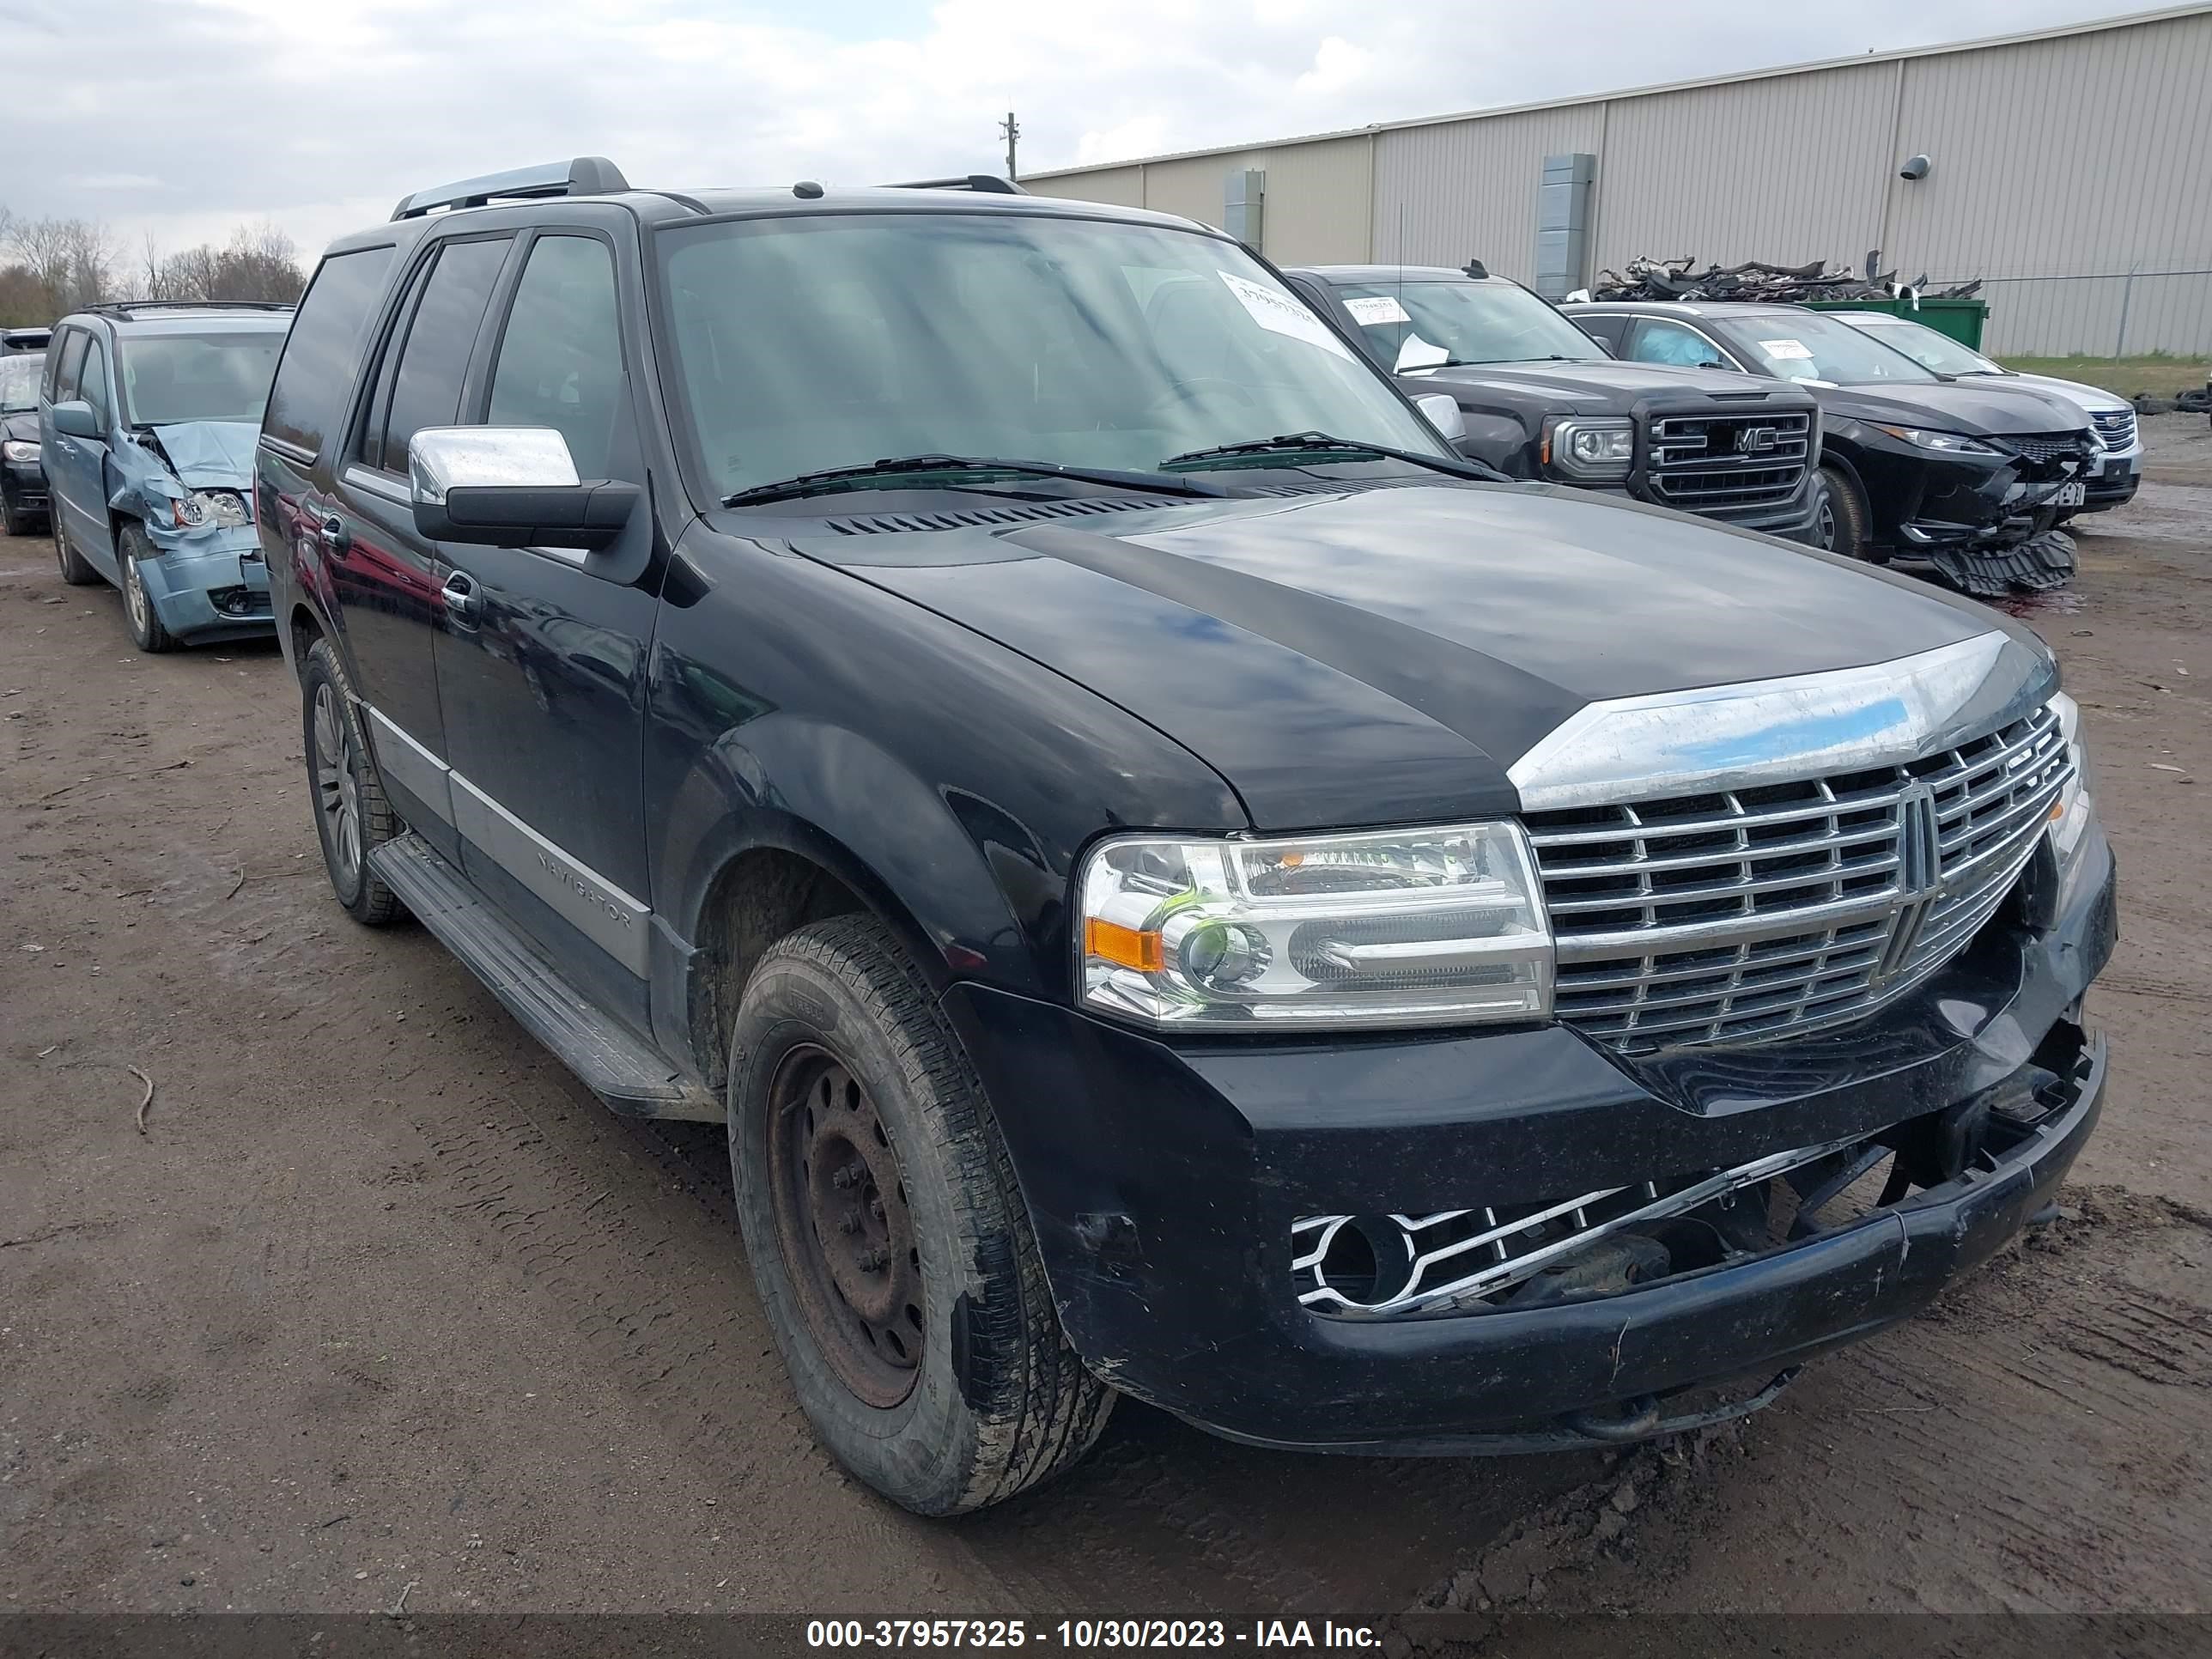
73,260
259,262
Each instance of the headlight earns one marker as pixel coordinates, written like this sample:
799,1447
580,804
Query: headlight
1439,927
1589,448
2076,806
1950,443
224,508
19,449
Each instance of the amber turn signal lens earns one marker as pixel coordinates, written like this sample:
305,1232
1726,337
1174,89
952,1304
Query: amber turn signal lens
1126,946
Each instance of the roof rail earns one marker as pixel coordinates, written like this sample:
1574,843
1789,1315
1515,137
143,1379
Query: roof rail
126,308
587,175
983,183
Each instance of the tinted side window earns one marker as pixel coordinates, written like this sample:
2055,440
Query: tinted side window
427,390
72,360
92,386
318,361
1658,342
560,362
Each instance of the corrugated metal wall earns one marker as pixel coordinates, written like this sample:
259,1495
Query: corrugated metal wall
2073,175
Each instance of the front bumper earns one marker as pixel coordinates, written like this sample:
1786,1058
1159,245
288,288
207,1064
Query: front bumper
1162,1182
2115,481
208,584
27,485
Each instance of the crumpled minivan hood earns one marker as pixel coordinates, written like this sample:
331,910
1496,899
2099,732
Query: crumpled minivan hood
1384,654
210,454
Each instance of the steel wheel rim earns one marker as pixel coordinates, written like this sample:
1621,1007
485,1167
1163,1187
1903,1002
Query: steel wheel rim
134,594
844,1227
337,797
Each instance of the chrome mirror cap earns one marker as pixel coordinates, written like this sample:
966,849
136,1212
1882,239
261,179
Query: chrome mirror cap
443,458
1442,412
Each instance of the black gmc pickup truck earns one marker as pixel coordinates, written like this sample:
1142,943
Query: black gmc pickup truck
1539,398
1175,884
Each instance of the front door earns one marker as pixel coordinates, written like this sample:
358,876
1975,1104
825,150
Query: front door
542,657
385,578
77,468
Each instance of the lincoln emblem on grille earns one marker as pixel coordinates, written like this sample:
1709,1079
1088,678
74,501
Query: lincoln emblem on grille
1756,439
1919,851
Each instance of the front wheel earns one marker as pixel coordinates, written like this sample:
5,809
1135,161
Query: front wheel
887,1235
146,627
1839,515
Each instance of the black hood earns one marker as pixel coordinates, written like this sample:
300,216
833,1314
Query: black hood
20,425
1977,407
1383,655
1601,382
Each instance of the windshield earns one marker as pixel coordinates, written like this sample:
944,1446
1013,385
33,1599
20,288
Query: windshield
168,378
1930,347
1806,346
1426,325
809,342
19,383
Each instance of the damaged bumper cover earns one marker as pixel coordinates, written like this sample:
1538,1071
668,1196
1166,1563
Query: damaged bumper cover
1167,1185
209,583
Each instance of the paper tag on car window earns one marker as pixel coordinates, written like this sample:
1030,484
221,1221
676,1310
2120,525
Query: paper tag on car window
1368,310
1787,351
1414,352
1280,313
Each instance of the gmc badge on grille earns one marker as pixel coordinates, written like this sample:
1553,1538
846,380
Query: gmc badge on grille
1756,439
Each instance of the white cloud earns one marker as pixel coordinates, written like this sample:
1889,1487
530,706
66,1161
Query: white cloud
319,116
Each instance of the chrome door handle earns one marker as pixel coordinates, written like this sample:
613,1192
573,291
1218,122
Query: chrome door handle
460,594
332,528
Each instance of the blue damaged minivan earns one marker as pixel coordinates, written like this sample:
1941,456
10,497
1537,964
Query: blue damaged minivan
148,416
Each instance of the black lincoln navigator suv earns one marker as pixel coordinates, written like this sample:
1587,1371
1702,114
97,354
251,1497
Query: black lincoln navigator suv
1178,884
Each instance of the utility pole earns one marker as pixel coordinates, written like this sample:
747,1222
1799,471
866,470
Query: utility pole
1012,132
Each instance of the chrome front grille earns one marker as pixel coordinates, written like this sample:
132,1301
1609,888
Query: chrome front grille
1719,463
2114,428
1765,912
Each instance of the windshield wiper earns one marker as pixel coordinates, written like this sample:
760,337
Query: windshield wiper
887,474
1311,444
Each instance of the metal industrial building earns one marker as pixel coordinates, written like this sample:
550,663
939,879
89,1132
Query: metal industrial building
2070,169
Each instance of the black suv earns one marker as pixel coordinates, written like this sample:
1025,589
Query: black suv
1969,476
1539,398
1174,887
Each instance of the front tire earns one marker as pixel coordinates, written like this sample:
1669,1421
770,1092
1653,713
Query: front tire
352,817
887,1235
1840,521
138,604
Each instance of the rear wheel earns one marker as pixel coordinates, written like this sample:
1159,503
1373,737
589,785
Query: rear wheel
1840,516
137,605
886,1233
76,569
351,815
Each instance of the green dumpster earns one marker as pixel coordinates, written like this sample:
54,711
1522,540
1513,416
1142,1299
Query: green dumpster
1962,319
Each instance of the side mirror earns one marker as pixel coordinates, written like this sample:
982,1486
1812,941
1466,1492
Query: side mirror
511,486
75,419
1443,413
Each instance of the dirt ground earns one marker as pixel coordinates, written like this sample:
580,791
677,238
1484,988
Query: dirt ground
381,1306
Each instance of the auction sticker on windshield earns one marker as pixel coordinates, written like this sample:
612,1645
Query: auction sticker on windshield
1370,310
1787,351
1281,315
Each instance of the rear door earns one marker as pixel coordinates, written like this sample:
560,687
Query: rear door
384,577
542,656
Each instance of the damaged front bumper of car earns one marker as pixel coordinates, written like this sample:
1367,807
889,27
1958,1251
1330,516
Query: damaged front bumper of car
207,583
1532,1238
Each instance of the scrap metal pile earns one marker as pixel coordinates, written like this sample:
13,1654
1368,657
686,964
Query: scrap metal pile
1755,279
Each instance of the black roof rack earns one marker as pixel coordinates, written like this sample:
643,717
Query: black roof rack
587,175
126,309
983,183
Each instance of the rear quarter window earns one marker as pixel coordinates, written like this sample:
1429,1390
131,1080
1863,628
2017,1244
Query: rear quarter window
317,367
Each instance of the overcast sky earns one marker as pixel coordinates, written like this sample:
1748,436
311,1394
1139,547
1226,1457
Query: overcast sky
186,116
